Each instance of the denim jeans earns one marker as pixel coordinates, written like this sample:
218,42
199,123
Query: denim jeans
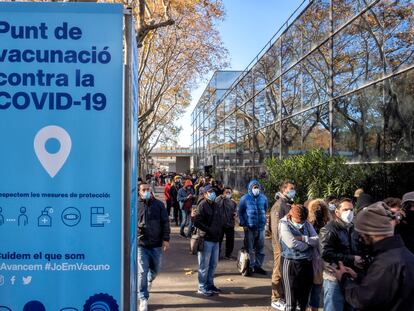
316,296
149,264
254,240
190,226
207,263
184,220
333,299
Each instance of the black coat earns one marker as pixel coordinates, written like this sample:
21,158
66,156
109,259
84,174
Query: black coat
388,284
228,208
209,219
339,242
174,195
153,223
406,231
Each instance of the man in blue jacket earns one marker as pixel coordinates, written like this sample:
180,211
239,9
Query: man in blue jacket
252,214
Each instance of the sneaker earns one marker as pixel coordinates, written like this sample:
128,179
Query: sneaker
215,290
143,305
260,270
206,293
278,305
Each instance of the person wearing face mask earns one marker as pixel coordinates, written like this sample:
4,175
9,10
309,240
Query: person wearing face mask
185,199
298,239
153,238
339,242
252,214
228,207
318,217
284,200
387,285
209,219
406,227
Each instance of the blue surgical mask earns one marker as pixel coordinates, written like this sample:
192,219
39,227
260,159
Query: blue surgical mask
211,196
298,226
256,192
146,195
291,194
332,207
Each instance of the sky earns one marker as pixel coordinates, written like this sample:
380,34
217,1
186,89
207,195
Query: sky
247,27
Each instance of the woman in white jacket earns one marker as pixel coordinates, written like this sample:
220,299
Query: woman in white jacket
297,238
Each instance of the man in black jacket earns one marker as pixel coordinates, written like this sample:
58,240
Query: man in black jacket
153,237
228,208
209,220
175,187
388,283
406,227
339,242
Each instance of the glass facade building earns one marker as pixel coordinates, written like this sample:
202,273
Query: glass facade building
338,76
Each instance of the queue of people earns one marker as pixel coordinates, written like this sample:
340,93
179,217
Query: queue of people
335,254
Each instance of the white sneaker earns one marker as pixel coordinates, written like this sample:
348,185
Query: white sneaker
278,305
143,305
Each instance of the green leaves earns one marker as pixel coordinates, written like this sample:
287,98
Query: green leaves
316,175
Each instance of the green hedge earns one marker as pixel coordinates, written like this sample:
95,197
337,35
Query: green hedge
318,175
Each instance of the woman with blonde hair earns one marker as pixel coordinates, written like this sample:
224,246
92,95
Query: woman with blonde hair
318,216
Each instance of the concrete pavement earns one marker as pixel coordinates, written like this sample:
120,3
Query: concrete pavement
175,287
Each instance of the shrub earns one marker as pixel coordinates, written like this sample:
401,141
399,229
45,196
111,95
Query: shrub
316,175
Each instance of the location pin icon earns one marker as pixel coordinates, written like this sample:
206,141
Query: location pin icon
52,162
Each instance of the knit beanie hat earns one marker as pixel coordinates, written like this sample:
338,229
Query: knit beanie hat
408,197
188,183
374,220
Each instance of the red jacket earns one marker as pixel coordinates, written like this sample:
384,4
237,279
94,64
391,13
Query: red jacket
167,192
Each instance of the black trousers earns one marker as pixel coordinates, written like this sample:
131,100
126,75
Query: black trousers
168,207
297,276
229,232
177,214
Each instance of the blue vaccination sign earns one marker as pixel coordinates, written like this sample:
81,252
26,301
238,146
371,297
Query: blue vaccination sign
61,161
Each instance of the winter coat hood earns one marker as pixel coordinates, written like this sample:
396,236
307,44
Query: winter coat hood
252,184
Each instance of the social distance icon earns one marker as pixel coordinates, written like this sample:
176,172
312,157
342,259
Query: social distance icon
52,162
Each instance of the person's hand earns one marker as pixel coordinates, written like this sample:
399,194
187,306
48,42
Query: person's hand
165,246
348,270
341,270
358,261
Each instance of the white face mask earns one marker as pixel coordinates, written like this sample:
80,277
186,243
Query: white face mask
228,196
347,216
256,192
